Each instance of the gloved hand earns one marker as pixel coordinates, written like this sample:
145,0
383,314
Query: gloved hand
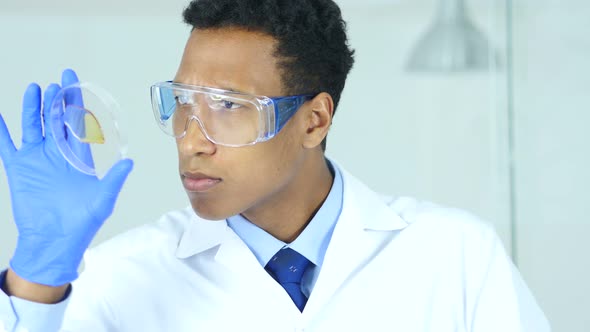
57,209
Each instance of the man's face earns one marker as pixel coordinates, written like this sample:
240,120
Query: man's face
223,181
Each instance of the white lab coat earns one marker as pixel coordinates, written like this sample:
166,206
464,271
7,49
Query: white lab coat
392,265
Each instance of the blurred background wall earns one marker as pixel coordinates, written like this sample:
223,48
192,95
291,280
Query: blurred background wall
508,142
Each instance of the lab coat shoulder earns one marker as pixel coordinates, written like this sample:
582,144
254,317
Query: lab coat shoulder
457,239
431,215
455,232
491,284
413,213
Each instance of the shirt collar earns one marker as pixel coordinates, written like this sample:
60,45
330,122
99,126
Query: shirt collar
311,243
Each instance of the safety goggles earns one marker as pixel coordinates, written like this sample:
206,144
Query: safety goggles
225,117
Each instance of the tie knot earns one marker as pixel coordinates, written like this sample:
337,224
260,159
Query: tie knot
287,266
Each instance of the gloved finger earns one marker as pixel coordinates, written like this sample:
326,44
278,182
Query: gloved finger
31,116
7,148
110,187
50,93
72,96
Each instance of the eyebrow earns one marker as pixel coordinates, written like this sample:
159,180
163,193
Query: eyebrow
218,86
227,88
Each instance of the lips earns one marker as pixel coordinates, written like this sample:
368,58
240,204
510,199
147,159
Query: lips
198,182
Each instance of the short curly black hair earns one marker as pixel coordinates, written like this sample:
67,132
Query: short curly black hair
312,45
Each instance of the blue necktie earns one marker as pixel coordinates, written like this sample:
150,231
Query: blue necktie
287,268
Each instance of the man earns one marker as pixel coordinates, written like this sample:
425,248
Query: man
277,238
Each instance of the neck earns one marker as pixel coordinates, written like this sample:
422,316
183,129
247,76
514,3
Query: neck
286,214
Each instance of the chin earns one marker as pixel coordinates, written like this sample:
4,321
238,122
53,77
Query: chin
210,211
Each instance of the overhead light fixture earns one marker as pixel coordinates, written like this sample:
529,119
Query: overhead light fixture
452,43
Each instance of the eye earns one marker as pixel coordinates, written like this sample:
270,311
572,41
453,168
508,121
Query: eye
230,105
183,99
220,103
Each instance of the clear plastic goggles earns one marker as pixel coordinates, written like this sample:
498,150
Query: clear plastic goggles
225,117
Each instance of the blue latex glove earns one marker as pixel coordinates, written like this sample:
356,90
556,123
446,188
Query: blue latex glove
57,209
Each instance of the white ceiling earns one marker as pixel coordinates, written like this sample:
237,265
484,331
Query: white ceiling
123,7
93,7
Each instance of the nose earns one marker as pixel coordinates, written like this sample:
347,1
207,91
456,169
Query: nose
195,141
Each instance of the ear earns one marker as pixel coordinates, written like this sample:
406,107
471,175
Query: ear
318,119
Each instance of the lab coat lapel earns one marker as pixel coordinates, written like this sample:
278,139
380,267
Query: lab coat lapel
235,255
365,225
248,281
202,235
